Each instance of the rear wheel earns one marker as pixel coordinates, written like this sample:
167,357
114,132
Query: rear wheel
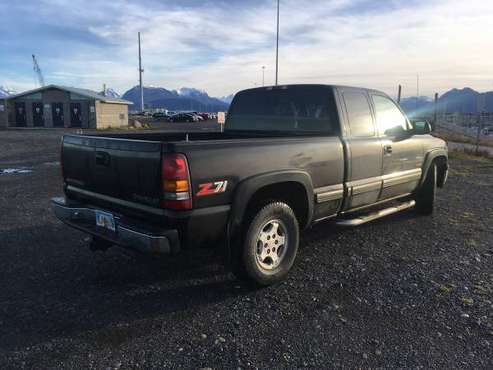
425,198
270,245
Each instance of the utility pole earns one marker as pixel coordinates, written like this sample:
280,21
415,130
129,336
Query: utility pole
140,79
478,136
399,94
417,91
263,75
277,45
435,113
481,109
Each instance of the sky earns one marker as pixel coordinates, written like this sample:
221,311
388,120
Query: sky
220,46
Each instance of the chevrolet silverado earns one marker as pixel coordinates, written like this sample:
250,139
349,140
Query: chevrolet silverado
288,157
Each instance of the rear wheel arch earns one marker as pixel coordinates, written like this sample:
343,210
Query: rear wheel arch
290,192
292,187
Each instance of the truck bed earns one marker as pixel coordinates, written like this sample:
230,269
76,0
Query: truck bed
123,171
195,136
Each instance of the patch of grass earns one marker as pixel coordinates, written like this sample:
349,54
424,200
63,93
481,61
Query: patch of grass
481,290
471,243
460,171
446,288
143,126
470,154
466,301
460,138
478,153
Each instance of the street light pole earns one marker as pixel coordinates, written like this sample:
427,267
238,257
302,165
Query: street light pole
277,45
141,87
263,75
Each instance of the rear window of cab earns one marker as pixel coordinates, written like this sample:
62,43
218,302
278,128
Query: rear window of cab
309,109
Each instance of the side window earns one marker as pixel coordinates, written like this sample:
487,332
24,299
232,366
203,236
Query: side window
359,114
388,115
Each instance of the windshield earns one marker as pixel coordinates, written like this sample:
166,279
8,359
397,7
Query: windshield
301,109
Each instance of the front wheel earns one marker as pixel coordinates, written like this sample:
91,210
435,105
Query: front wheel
425,198
271,244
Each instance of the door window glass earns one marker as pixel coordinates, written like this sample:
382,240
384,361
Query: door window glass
389,117
359,114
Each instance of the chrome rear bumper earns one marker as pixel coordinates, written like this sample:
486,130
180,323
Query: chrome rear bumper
127,235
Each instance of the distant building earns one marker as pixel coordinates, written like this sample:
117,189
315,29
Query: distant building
60,106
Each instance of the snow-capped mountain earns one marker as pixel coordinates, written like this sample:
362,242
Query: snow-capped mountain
5,91
200,95
110,92
191,92
227,99
185,98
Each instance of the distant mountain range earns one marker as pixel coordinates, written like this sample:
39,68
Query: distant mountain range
227,99
183,99
464,100
110,92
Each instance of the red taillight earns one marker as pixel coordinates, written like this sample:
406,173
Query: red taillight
176,182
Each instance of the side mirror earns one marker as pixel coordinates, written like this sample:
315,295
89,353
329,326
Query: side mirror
398,132
422,127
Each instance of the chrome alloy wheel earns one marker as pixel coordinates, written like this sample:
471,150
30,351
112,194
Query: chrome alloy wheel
272,244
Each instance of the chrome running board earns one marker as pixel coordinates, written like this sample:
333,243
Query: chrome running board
376,215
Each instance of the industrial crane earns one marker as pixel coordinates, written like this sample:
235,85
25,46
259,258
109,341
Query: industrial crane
38,72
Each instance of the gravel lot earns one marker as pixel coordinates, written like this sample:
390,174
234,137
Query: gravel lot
406,291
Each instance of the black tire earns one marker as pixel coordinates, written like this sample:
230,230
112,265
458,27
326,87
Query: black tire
269,263
425,198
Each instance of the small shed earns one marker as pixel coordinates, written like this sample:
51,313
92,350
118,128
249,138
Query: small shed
61,106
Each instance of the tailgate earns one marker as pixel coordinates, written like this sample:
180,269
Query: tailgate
119,168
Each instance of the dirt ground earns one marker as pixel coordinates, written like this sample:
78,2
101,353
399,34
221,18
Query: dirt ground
405,291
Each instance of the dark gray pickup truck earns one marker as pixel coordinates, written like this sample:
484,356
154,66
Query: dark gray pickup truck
289,156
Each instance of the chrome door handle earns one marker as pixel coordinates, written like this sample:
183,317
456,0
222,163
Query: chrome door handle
387,149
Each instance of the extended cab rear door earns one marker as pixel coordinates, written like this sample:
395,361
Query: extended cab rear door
363,148
402,154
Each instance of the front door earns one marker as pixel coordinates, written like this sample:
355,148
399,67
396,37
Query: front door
364,180
57,112
38,118
75,115
20,114
402,153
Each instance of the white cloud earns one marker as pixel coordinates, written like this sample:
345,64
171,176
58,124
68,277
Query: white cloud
221,48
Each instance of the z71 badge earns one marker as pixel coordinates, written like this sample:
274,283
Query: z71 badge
210,188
